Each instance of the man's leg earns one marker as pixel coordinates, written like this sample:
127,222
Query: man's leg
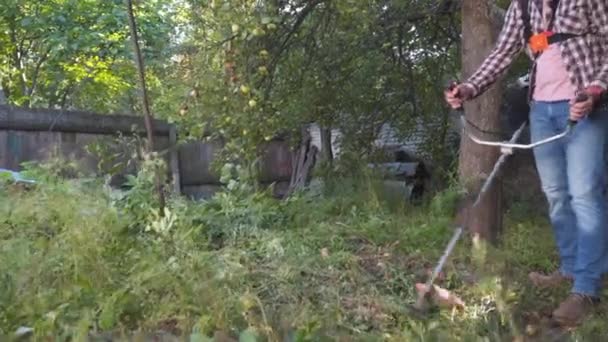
585,159
585,155
552,169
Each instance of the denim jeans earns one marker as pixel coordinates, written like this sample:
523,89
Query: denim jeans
572,174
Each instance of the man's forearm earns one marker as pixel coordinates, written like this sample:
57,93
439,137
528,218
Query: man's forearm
490,71
509,44
601,21
602,79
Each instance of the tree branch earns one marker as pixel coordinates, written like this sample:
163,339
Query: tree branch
299,21
139,61
41,61
16,55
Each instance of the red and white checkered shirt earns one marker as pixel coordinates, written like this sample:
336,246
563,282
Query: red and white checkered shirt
585,56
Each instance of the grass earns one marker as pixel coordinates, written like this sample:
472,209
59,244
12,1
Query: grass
77,262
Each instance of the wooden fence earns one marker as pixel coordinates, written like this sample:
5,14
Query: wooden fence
37,135
200,179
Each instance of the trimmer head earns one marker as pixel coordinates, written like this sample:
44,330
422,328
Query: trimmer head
421,308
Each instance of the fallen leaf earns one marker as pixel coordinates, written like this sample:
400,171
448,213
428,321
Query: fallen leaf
324,252
518,339
441,297
531,330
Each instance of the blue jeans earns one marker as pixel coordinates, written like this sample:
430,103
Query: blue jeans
572,173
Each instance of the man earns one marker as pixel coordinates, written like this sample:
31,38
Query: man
573,62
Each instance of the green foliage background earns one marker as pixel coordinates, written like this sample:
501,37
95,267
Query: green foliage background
246,71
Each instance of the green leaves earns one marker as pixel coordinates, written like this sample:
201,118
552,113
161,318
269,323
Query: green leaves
26,21
265,69
350,65
45,42
109,314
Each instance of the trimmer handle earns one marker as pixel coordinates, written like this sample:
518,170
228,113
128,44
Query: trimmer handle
450,87
580,97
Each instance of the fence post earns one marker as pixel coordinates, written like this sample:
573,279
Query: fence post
174,160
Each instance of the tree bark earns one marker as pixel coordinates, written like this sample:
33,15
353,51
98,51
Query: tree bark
139,62
479,33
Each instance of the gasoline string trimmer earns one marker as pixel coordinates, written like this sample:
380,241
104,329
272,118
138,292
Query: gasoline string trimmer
506,149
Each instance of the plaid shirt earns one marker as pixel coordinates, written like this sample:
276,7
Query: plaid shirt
585,57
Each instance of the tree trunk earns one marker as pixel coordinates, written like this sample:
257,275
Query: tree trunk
478,36
148,120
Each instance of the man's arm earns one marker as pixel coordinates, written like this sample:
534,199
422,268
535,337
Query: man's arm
601,15
507,47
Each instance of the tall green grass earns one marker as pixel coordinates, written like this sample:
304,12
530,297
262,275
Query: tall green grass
77,260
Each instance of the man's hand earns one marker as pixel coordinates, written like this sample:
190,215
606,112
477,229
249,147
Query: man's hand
580,109
456,95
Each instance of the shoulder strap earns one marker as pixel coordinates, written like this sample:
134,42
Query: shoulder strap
525,16
553,4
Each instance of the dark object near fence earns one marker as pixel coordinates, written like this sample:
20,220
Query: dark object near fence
418,182
413,175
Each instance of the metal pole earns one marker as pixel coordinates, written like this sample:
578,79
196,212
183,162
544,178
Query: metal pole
501,160
459,230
